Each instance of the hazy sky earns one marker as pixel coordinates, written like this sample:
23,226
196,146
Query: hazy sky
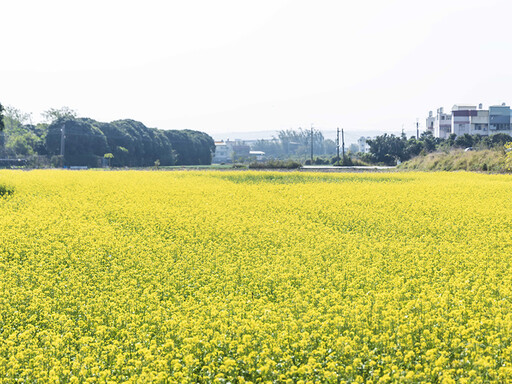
235,65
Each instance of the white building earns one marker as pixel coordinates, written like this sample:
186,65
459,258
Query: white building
441,124
480,122
257,155
363,145
499,119
461,118
223,152
470,119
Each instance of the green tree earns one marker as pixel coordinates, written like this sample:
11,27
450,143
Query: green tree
499,139
388,149
329,147
109,156
2,134
413,147
20,138
1,117
429,142
134,144
272,148
85,143
191,147
298,142
464,141
53,114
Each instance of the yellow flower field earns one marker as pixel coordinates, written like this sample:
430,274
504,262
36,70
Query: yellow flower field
237,277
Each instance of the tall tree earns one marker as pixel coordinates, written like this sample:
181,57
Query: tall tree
19,137
272,148
499,139
1,117
298,142
464,141
85,144
192,147
2,135
388,149
54,114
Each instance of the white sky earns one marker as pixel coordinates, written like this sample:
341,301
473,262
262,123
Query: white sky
236,65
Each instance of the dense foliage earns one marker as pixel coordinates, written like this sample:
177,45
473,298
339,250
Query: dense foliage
187,277
192,147
275,164
5,190
390,149
1,117
86,141
296,143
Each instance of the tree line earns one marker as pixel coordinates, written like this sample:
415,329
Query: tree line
292,143
1,117
86,142
389,149
385,149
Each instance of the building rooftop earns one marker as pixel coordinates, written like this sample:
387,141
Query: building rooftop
463,107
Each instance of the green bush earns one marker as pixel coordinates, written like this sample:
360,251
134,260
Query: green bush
5,190
347,161
275,164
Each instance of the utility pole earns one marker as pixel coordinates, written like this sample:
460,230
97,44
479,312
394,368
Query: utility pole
62,142
338,144
417,130
343,143
311,144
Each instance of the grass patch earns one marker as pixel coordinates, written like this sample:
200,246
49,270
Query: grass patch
487,160
296,178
